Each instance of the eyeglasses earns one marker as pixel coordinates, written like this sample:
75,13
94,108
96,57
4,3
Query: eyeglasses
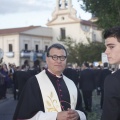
55,57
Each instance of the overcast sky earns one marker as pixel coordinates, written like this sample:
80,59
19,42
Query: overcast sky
20,13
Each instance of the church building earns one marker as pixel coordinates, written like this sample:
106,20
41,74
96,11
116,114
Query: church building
19,44
65,23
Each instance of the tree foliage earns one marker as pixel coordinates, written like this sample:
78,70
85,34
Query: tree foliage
107,11
79,52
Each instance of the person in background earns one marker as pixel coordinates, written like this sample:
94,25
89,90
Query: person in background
111,104
50,95
87,85
103,74
2,82
7,79
97,70
26,65
36,66
72,74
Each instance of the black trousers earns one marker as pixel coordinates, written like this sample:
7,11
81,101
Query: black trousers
102,98
87,97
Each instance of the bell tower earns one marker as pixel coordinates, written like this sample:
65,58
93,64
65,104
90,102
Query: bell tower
64,20
63,4
63,9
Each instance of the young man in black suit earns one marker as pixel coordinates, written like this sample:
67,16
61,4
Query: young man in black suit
111,105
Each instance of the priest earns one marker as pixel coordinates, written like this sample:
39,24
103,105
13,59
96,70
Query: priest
50,95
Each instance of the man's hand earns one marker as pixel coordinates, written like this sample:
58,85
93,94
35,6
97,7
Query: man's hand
68,115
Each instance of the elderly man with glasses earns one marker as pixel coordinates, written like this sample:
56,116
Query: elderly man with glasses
50,95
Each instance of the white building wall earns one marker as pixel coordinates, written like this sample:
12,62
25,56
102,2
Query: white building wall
39,31
66,18
1,42
26,39
18,41
32,41
72,30
99,35
5,41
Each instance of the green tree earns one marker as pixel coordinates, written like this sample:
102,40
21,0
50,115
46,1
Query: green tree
95,49
79,52
107,11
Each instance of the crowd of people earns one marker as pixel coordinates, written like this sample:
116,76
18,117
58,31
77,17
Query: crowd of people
87,78
5,79
10,74
56,92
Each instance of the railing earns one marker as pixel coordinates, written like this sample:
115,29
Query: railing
10,54
27,53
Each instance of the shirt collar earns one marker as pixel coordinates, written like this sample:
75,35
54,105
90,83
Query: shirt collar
54,74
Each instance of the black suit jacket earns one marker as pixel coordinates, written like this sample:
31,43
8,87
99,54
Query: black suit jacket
111,105
71,74
87,80
21,77
104,73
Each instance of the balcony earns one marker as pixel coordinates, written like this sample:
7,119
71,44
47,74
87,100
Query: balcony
29,53
25,53
10,54
39,53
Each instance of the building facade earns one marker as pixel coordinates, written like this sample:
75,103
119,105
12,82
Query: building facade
20,44
65,23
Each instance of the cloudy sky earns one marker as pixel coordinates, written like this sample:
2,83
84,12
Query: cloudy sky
20,13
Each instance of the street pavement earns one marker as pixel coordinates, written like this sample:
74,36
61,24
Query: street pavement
7,107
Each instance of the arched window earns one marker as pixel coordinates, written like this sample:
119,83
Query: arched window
63,34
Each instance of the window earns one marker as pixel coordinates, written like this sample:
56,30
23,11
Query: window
10,48
85,28
94,37
63,36
46,47
62,18
36,47
26,46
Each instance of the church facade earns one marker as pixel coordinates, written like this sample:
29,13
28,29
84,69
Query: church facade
65,23
22,43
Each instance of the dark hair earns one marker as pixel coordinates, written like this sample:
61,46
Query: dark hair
86,64
112,32
26,62
58,46
105,64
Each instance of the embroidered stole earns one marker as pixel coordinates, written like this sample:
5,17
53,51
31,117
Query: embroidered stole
49,94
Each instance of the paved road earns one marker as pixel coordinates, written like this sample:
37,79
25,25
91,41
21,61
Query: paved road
7,108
